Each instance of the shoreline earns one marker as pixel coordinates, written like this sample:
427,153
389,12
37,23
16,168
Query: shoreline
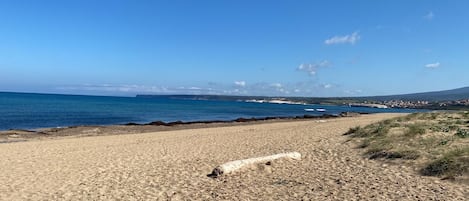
240,119
21,135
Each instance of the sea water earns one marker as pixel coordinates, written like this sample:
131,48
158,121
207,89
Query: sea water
31,111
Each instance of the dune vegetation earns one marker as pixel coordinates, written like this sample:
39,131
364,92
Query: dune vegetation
436,143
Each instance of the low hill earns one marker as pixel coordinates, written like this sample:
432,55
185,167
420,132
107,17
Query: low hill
435,96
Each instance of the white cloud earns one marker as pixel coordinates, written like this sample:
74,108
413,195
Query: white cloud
433,65
240,83
311,69
351,38
276,85
429,16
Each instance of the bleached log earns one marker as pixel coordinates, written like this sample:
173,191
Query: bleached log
238,164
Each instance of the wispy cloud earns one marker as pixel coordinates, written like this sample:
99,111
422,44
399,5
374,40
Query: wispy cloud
276,85
278,88
351,38
116,88
240,83
429,16
326,86
353,92
433,65
312,68
132,89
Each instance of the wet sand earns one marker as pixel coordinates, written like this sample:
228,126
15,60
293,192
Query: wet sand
173,165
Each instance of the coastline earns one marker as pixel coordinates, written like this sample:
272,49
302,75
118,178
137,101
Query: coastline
21,135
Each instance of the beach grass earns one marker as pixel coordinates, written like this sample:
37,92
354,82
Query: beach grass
436,143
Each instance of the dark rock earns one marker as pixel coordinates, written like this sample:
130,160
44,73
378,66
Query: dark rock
132,124
157,123
349,114
241,119
174,123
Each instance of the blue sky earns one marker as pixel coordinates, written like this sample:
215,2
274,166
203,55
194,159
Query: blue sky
276,48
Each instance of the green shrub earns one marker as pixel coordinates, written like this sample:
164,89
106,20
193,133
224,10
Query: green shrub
387,122
453,127
372,130
414,130
405,155
377,144
452,164
444,142
381,130
439,128
352,130
462,133
460,122
436,168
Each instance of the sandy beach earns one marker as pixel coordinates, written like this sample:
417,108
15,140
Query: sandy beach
173,165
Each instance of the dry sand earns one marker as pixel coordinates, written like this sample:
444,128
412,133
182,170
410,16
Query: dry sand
173,165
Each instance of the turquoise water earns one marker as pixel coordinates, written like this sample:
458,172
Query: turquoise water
30,111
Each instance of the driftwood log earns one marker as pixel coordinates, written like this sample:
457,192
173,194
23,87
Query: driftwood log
238,164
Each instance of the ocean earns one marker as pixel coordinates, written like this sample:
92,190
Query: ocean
33,111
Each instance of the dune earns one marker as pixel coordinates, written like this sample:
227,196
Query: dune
173,165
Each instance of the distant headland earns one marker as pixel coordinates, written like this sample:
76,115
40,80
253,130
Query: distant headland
454,99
